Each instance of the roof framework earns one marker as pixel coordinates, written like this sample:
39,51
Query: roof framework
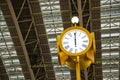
28,32
110,39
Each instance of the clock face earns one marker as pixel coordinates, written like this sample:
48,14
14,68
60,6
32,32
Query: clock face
75,41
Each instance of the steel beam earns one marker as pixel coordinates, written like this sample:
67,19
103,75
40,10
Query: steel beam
36,32
20,37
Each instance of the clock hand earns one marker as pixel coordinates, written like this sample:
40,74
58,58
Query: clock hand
75,42
75,38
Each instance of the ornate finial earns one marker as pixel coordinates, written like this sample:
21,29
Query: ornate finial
75,20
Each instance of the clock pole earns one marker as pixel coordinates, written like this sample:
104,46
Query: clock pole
79,54
78,75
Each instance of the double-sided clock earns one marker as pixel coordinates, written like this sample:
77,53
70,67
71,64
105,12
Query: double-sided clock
75,41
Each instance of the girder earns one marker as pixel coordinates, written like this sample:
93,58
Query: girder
28,32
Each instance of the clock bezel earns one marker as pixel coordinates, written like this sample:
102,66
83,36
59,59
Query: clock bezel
79,28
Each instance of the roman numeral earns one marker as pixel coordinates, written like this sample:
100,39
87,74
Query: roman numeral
66,38
85,41
75,50
71,49
80,49
83,36
79,34
66,47
70,34
65,42
83,45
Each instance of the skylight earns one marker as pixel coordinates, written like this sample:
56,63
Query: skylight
8,51
110,39
53,22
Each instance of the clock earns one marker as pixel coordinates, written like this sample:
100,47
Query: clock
75,41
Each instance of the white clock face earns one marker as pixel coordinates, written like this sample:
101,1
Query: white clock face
75,41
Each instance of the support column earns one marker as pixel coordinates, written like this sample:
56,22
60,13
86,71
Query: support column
81,24
78,75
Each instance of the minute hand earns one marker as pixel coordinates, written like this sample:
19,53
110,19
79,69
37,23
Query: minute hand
75,38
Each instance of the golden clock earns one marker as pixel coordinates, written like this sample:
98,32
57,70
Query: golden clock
75,41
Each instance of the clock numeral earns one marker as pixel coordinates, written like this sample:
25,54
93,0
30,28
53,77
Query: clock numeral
80,49
85,41
75,50
70,34
79,34
83,36
66,47
71,49
83,45
65,42
66,38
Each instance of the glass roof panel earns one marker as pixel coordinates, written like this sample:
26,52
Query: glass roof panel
7,51
110,39
53,22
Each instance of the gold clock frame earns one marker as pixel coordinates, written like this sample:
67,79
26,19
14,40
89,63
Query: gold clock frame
94,43
71,28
